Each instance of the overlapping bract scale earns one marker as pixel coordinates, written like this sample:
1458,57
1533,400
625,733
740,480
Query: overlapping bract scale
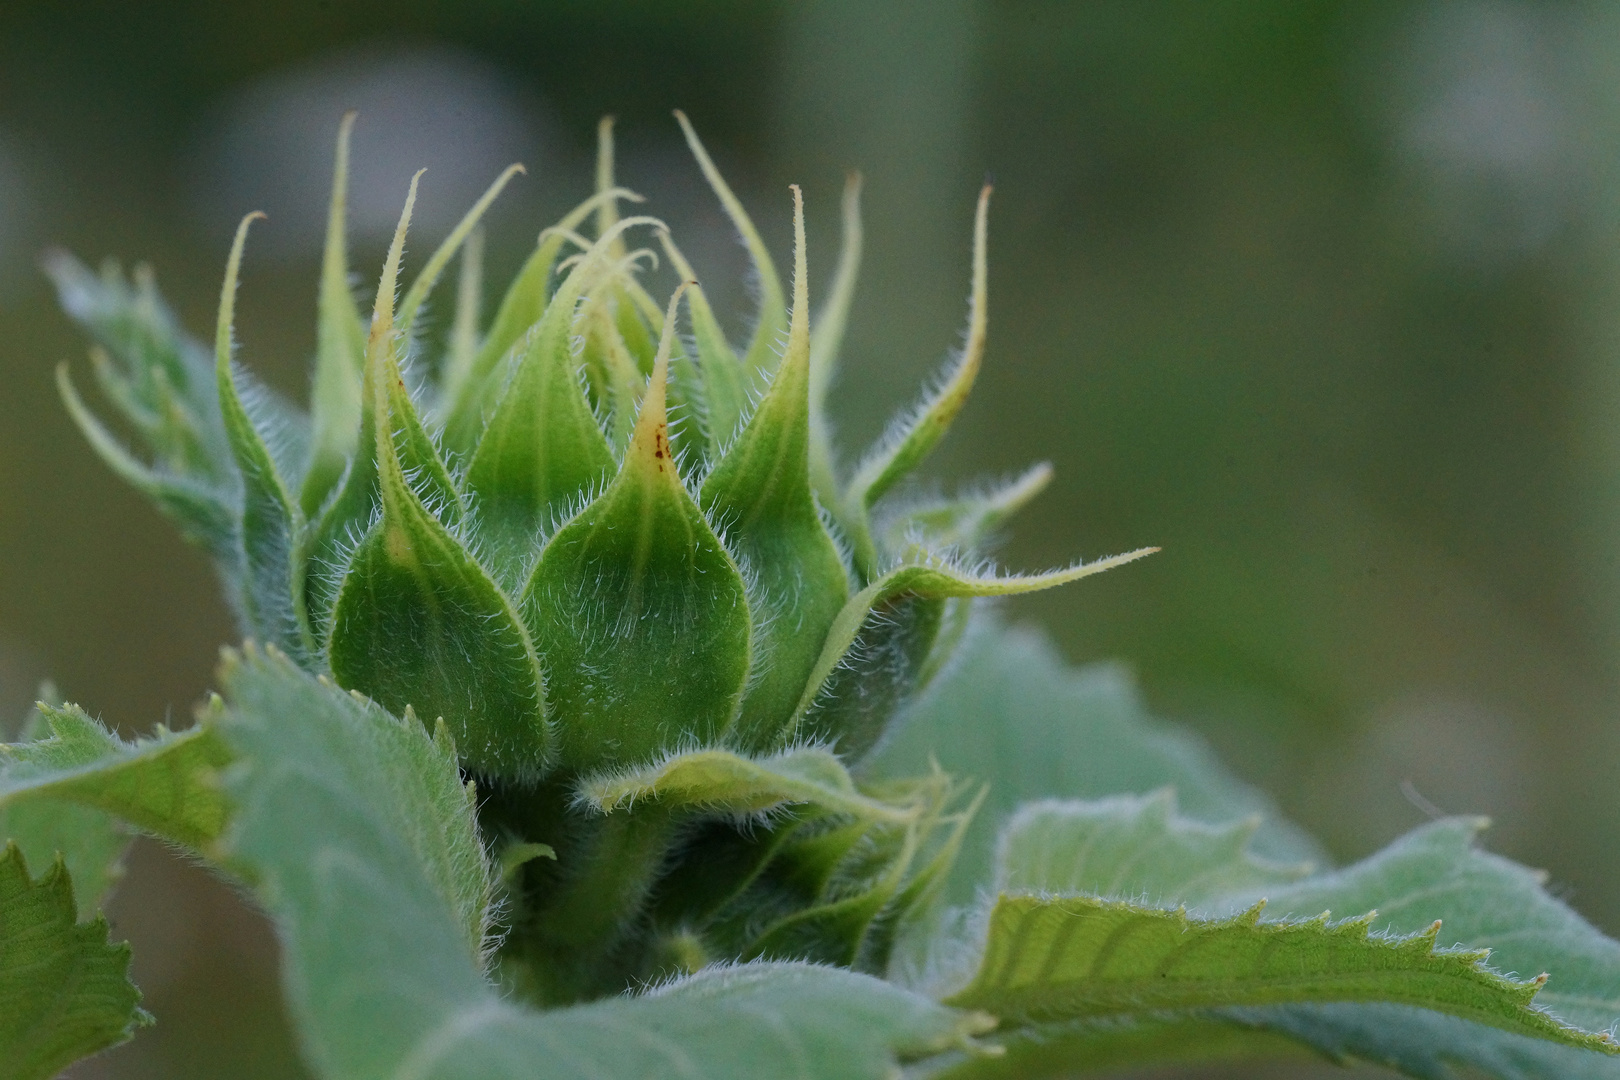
581,537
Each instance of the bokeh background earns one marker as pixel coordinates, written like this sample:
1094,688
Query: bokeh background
1324,298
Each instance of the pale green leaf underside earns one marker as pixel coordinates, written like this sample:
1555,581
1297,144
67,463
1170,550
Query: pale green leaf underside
362,839
1134,847
1140,847
719,780
1009,711
1486,901
1438,872
1056,958
64,990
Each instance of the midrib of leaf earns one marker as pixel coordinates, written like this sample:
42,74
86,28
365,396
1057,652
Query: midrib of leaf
1056,958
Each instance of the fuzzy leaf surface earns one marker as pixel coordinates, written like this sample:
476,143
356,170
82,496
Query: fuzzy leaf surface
913,437
1011,712
64,990
164,785
722,781
1132,846
1054,958
200,509
363,842
1436,872
1439,872
639,611
773,317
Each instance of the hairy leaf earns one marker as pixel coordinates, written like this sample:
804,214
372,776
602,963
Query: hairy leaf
1052,958
966,522
1011,712
1436,872
164,785
422,287
363,841
725,384
199,509
160,377
639,612
760,492
64,990
1134,847
731,783
418,622
1439,872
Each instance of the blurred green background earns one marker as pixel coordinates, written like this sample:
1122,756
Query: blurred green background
1324,298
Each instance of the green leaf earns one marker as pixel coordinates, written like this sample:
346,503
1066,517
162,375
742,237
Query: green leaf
760,495
1439,872
1426,1044
719,780
272,525
1135,848
772,321
542,448
1012,712
383,780
1053,958
363,842
825,343
640,613
1112,1047
418,621
163,785
64,990
89,841
887,628
1132,846
340,347
913,436
471,394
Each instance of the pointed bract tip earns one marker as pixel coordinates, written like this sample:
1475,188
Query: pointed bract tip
651,438
227,291
799,320
382,312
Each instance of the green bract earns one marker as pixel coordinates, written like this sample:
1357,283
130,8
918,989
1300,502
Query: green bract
581,538
576,658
